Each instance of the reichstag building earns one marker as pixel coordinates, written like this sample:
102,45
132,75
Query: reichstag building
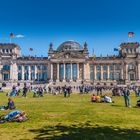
71,63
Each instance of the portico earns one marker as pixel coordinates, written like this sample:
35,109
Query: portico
65,72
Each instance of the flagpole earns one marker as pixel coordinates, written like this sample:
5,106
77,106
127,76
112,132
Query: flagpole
10,40
128,39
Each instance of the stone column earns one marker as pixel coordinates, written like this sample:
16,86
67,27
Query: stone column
122,71
64,76
22,72
138,71
57,72
51,72
35,72
126,71
1,66
108,71
77,71
95,72
71,79
86,71
15,72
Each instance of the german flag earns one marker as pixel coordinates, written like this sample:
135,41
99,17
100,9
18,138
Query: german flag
131,34
11,35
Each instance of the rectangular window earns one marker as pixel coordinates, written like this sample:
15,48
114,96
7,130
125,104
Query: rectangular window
111,67
104,76
111,76
104,68
98,67
117,67
117,76
44,67
38,67
32,68
26,67
61,71
91,72
19,68
98,76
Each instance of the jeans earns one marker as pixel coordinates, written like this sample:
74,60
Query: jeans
127,101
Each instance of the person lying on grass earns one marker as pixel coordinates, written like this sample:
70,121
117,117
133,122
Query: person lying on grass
97,99
107,99
10,105
17,116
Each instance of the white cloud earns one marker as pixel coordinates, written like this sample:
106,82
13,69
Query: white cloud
20,36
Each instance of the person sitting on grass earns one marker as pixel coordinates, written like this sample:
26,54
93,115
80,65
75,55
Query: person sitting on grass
11,105
93,98
98,99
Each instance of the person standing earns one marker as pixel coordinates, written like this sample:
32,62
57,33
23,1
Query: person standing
65,91
34,91
126,94
25,89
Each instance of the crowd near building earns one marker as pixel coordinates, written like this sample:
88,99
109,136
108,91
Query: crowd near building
71,63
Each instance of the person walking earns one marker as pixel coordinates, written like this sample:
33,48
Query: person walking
126,94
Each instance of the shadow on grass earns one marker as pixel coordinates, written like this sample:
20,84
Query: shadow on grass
85,132
114,105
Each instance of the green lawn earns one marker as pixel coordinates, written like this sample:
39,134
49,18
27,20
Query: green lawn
54,117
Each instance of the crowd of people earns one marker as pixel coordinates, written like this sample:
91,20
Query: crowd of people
98,96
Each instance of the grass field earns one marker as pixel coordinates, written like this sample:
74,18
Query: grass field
54,117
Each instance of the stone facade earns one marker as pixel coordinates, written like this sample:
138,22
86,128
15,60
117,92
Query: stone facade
71,62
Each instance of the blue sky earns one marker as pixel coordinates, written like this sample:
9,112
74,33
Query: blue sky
103,24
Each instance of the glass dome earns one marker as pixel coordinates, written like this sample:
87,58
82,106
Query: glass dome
69,45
